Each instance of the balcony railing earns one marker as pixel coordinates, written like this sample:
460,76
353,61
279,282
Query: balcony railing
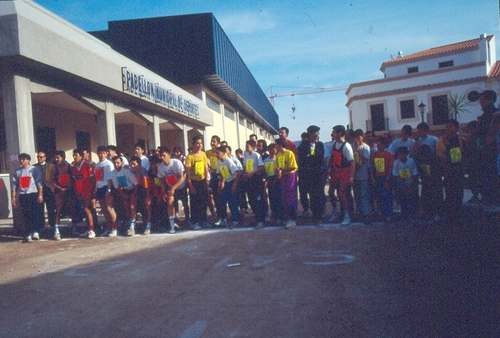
377,125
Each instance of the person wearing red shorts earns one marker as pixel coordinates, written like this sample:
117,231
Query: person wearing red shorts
83,178
342,170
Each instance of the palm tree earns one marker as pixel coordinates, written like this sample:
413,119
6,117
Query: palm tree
457,104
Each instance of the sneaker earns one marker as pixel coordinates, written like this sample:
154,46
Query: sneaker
172,230
196,226
259,225
218,222
347,220
206,224
290,224
91,234
131,231
57,236
234,224
147,231
306,213
36,236
28,239
106,233
113,233
222,223
84,234
474,200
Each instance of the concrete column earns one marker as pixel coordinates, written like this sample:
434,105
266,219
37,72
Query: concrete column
19,130
238,132
106,123
183,138
18,112
154,139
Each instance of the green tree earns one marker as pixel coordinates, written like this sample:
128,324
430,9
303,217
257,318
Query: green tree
457,104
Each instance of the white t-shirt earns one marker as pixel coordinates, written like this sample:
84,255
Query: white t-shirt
103,170
227,169
252,162
124,178
175,168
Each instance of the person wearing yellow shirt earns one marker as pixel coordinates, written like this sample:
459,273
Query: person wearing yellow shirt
286,165
198,180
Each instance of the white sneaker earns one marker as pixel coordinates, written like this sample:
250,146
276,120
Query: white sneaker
28,239
347,220
57,236
113,233
36,236
91,234
147,231
130,232
290,224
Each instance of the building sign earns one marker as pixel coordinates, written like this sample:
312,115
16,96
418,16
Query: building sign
145,88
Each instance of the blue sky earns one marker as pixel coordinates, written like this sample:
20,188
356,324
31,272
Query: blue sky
299,45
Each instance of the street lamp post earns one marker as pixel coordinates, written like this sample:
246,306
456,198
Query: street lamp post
421,107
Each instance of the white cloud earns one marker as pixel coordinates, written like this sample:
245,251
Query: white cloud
247,22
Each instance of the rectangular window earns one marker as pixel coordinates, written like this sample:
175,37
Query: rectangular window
377,117
213,103
83,140
249,124
228,113
439,109
446,64
412,70
407,109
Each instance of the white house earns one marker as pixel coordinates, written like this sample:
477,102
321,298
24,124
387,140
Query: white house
429,79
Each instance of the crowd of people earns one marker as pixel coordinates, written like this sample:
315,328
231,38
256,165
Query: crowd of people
368,176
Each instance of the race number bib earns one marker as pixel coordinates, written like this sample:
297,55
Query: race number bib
122,181
405,174
269,168
224,171
357,159
199,168
249,166
213,162
456,155
24,182
426,169
64,180
380,164
99,174
281,162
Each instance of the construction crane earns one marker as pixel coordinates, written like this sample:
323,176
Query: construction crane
303,92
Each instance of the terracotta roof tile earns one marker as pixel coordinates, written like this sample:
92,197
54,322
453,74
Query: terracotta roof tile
459,46
495,70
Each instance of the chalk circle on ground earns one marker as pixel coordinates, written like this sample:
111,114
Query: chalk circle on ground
328,258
